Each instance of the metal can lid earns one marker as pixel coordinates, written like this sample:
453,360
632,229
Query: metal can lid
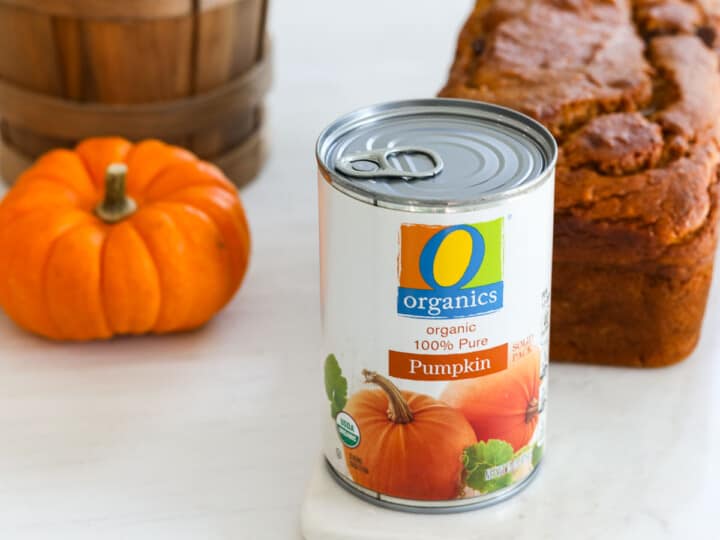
435,154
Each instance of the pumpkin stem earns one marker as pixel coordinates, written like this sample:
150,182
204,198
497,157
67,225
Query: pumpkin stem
398,409
116,205
532,410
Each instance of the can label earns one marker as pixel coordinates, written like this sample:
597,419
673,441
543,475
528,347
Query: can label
436,332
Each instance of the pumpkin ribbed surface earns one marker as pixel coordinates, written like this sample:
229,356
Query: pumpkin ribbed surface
169,265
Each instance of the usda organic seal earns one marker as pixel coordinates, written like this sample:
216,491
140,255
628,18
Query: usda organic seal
348,430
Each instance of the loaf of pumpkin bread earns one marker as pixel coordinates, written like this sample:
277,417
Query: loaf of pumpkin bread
631,91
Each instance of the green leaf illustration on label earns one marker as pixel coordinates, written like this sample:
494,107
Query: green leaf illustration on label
484,465
537,455
335,385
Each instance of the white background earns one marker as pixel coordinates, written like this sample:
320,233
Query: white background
214,434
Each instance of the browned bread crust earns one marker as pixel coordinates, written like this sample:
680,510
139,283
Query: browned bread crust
631,90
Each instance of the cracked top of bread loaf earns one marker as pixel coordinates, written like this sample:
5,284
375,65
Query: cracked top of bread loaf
630,89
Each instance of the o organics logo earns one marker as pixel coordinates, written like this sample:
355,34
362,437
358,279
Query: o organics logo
453,271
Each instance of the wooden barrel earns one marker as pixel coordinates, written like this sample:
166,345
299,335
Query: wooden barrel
190,72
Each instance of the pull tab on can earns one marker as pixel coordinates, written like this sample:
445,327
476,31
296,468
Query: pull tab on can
376,164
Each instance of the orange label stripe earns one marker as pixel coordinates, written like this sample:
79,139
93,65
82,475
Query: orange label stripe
447,367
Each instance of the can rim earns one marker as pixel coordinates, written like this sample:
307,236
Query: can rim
480,109
413,507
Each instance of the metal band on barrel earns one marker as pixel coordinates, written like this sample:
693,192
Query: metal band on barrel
72,120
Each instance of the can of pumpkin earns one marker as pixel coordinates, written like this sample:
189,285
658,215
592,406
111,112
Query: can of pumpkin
436,224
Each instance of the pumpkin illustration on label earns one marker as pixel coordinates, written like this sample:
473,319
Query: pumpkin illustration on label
504,405
411,445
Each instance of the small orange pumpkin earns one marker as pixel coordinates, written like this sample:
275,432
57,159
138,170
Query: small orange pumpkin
411,445
503,405
115,238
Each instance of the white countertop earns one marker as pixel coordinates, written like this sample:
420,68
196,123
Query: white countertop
215,434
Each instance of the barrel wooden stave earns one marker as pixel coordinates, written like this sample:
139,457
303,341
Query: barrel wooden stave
27,50
220,60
